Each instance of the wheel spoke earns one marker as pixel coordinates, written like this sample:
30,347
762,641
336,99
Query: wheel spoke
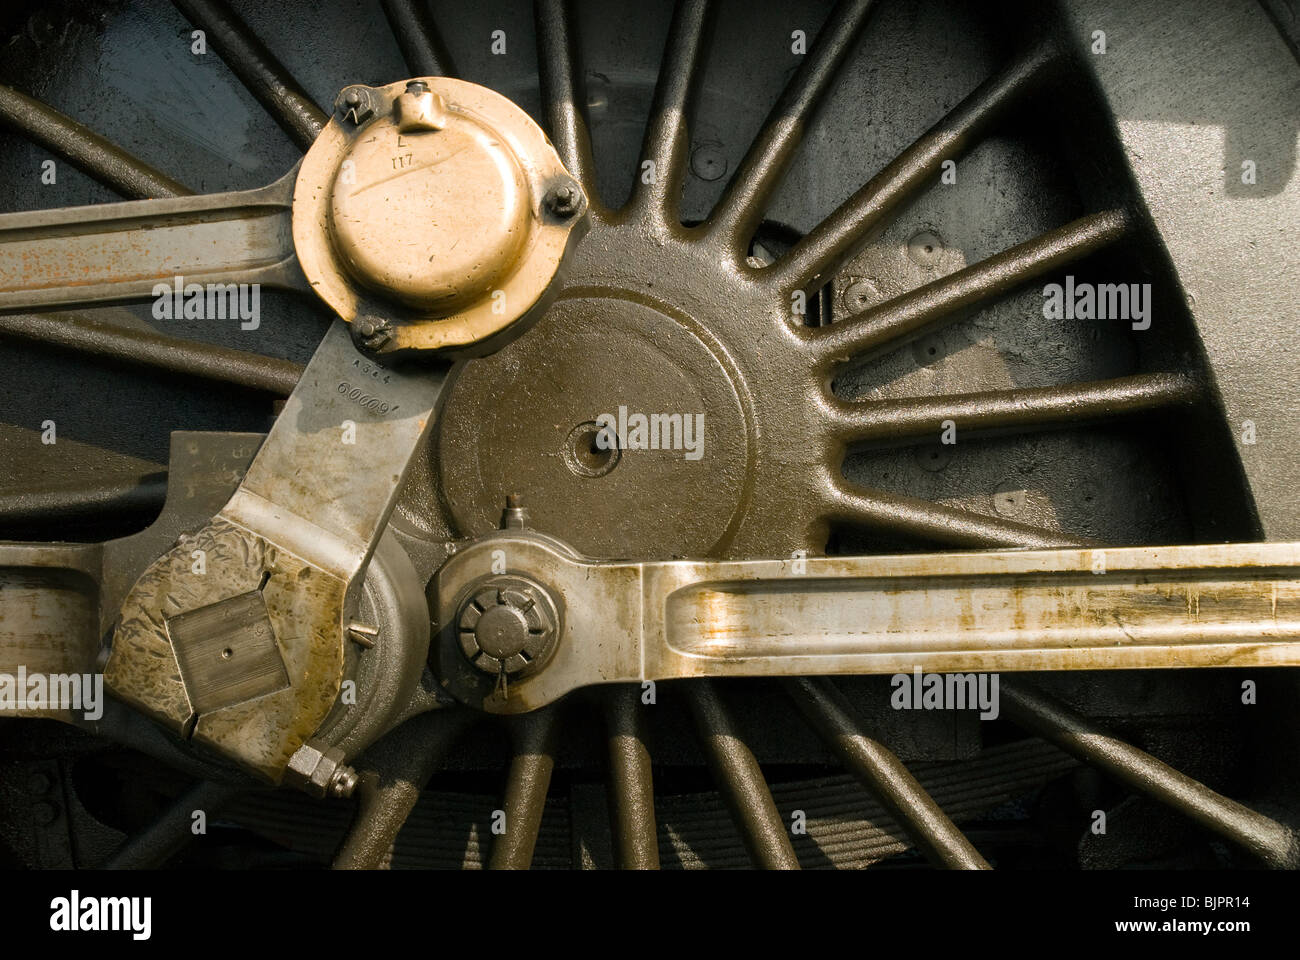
667,138
1262,836
166,836
885,327
117,252
563,95
922,520
113,497
533,736
87,151
391,777
884,775
257,69
740,781
144,348
826,248
917,419
742,205
632,799
421,45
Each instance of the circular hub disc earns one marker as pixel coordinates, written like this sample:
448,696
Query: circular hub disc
616,421
402,220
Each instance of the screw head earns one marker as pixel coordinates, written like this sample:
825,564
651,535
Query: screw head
508,626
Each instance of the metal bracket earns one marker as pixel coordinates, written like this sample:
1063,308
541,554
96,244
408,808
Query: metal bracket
1231,605
297,533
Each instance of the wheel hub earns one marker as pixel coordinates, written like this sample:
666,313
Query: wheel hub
657,321
621,423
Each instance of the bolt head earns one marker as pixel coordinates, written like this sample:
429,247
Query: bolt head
320,772
564,200
371,333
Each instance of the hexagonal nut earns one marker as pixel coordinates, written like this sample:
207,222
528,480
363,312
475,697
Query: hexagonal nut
320,772
564,200
356,104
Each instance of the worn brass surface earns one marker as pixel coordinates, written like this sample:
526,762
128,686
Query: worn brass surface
299,529
435,218
433,214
